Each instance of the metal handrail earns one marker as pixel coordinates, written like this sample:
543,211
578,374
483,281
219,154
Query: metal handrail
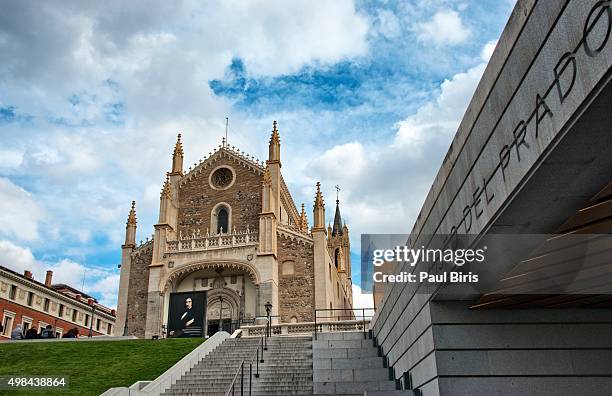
232,387
352,310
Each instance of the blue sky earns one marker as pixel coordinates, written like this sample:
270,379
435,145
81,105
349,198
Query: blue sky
367,95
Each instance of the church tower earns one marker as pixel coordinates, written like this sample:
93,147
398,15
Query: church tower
339,243
126,263
339,246
268,223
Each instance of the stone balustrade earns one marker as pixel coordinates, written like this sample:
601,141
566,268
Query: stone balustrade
306,327
220,241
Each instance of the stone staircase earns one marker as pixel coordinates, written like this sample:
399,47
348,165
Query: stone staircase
214,374
346,363
342,363
287,369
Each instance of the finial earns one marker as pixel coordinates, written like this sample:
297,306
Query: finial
166,189
223,141
177,157
178,147
337,187
319,197
132,216
303,220
226,126
275,138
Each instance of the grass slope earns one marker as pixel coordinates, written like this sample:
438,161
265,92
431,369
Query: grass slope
92,367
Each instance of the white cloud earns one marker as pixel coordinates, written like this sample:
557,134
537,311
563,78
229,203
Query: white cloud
100,281
384,185
345,161
362,300
487,50
279,37
10,158
440,116
16,257
154,62
386,24
19,213
444,28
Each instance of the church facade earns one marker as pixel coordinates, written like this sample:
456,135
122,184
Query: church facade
230,227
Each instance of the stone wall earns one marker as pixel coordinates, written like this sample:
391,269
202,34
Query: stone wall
138,289
296,291
197,198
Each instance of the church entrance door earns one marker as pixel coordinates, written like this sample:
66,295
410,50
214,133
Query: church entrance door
213,326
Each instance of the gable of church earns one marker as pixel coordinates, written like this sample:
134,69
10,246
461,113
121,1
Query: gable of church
224,191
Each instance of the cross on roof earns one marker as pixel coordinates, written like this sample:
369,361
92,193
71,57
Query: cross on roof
337,187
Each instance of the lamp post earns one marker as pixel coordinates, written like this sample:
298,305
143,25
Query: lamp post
268,307
221,313
93,310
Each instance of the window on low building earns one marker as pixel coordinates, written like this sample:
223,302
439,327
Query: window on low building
30,298
25,326
61,310
98,324
109,329
86,320
13,292
8,325
74,315
46,305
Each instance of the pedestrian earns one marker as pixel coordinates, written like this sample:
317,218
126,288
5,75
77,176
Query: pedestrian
48,332
72,333
17,334
31,334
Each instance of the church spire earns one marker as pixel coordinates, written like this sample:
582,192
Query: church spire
303,220
337,230
274,146
130,228
319,209
177,157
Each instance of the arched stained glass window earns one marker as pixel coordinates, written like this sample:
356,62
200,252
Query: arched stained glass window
222,221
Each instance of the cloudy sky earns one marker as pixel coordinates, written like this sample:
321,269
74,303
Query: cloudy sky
92,94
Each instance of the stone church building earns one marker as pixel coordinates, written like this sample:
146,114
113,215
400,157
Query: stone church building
229,226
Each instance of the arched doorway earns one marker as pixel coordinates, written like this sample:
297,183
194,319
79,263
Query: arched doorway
223,310
230,285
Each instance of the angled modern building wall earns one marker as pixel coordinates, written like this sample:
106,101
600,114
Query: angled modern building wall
533,148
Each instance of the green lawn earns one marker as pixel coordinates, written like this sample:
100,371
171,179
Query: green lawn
95,366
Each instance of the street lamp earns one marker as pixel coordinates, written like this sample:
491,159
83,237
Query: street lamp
221,313
268,307
93,310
